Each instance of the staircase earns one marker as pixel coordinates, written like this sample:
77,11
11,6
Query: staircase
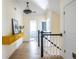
51,45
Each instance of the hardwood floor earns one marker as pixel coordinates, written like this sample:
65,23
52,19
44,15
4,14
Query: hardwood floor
29,50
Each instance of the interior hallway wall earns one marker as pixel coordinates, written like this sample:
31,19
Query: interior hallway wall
55,22
10,10
26,21
53,12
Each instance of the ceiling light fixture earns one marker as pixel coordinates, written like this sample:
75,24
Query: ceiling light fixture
27,10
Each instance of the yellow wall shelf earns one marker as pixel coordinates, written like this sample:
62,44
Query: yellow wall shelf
6,40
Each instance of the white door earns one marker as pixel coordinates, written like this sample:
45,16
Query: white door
70,30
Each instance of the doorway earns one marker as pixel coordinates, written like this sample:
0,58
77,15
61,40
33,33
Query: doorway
33,30
43,26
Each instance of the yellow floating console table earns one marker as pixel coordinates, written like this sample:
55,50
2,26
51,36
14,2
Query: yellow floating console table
6,40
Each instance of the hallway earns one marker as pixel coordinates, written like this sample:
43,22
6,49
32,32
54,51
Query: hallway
32,52
39,29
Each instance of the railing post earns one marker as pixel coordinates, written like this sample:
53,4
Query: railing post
38,37
42,43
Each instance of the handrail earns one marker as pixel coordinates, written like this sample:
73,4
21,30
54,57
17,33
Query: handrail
52,34
46,32
55,45
43,34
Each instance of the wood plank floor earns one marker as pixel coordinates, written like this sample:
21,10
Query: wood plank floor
29,50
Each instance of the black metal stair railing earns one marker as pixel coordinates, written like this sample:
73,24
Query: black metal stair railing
43,36
39,36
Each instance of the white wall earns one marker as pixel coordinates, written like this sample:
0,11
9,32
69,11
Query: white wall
26,21
54,5
8,13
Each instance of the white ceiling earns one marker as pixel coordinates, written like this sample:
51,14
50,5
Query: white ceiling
54,5
40,5
32,5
